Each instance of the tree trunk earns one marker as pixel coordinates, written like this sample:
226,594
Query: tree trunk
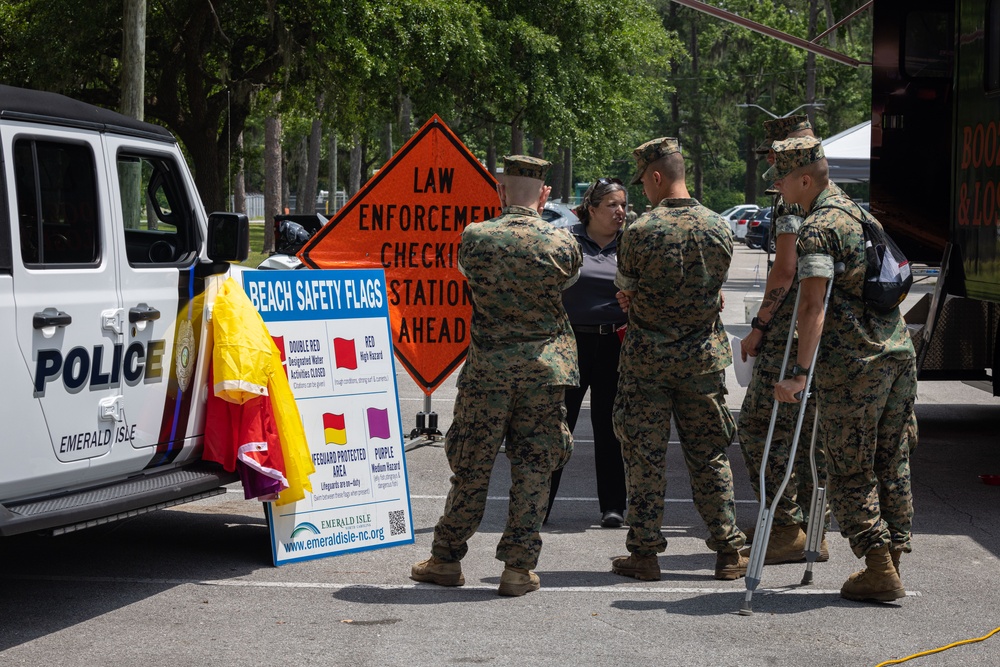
312,172
406,118
538,147
830,21
387,149
331,206
272,179
133,58
675,101
240,189
301,160
516,137
811,64
568,193
491,152
750,161
558,184
133,94
355,168
696,119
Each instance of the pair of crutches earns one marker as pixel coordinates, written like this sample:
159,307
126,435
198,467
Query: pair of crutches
817,506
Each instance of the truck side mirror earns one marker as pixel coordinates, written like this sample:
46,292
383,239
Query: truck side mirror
228,237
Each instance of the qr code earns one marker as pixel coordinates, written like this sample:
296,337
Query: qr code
397,522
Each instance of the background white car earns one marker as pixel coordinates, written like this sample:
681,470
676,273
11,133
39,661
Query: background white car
559,214
739,214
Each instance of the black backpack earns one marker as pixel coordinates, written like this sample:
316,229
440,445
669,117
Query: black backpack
887,271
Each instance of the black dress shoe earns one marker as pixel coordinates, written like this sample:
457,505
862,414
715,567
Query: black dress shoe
612,519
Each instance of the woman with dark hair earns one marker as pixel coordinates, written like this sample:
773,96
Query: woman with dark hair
596,316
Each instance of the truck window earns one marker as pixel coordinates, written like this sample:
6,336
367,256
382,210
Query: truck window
927,45
158,220
56,203
992,65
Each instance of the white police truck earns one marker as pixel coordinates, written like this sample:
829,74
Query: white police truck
108,266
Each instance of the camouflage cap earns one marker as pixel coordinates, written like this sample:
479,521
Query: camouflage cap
526,166
650,152
778,129
791,154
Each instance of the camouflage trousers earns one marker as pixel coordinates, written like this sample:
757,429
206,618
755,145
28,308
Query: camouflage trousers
754,422
538,441
868,428
641,417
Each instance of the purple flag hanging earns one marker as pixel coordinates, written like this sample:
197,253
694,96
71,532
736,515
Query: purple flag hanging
378,423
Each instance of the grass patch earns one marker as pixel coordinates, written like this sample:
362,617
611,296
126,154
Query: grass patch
257,254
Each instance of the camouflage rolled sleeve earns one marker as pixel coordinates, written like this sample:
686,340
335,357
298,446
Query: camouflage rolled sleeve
815,266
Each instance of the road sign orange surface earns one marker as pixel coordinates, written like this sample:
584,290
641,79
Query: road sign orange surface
408,219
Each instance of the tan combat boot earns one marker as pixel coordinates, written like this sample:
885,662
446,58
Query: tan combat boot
878,581
516,581
644,568
824,550
786,545
437,571
894,554
730,565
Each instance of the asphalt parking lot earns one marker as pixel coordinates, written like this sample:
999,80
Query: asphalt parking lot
194,585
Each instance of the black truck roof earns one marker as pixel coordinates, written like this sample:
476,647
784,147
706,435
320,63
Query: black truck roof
44,107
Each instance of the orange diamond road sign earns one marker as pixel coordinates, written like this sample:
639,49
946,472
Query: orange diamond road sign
408,219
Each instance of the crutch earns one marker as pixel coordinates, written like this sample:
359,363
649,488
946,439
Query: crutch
765,516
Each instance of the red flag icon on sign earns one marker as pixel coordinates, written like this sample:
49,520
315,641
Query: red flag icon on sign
279,342
334,429
344,353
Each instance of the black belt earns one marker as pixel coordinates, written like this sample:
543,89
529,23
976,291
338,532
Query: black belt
602,329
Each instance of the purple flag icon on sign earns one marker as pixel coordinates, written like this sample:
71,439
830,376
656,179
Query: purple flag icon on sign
378,423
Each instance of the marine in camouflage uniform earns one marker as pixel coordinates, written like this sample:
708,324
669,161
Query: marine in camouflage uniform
865,376
672,263
772,322
758,403
521,357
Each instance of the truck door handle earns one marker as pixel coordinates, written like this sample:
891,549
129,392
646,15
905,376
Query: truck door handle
142,313
50,317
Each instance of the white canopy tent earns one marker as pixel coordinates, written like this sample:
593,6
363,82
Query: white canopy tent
849,154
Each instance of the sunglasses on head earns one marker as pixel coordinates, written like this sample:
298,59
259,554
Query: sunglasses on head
607,181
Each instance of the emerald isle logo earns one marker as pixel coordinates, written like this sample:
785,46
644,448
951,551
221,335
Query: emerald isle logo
304,528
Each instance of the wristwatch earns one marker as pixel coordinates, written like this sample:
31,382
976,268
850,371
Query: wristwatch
755,323
798,370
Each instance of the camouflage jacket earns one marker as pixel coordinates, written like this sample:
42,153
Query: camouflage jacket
676,258
772,347
517,266
853,335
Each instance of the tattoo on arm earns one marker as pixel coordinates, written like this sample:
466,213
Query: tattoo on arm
774,298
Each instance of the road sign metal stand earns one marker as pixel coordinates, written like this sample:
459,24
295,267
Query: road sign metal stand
426,431
765,516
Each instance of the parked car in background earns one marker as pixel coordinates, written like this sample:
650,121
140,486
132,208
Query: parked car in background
734,215
759,231
559,214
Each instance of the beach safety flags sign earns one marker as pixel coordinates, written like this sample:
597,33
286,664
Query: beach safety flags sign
408,220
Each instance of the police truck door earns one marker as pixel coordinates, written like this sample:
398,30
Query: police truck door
67,307
163,301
